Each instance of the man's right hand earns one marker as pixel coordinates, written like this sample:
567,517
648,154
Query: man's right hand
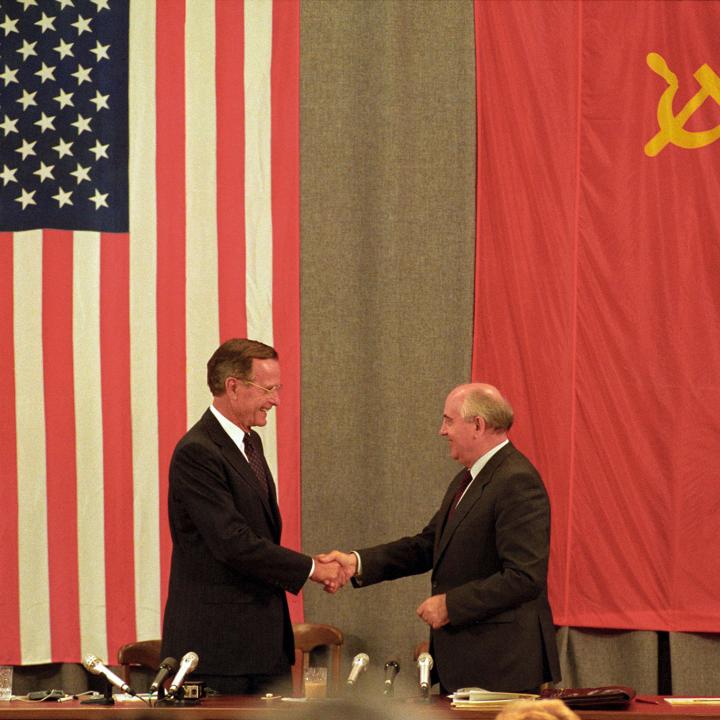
328,573
346,561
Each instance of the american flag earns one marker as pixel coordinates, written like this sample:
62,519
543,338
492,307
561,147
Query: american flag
63,104
149,208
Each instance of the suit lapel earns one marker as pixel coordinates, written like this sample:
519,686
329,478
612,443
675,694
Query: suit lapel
444,511
237,460
471,498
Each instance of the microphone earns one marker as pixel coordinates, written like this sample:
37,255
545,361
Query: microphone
167,666
392,668
359,664
96,667
187,665
425,664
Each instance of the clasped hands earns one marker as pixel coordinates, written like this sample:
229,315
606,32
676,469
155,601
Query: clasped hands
335,568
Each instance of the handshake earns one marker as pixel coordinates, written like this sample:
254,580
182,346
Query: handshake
334,569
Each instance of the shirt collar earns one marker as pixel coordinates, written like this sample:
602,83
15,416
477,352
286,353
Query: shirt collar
483,460
479,464
236,433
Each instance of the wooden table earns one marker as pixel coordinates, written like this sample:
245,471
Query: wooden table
356,708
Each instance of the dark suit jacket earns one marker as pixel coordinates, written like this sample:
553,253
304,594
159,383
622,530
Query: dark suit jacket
491,559
229,574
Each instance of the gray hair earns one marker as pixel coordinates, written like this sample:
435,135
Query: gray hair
492,407
234,359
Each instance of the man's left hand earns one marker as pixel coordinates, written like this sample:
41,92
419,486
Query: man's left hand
434,611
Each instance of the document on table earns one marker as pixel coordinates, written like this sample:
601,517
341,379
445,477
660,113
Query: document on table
693,700
474,698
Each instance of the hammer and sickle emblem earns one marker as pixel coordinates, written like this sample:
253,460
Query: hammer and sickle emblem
672,127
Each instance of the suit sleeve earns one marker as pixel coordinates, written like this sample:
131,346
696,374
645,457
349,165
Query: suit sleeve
522,544
204,511
407,556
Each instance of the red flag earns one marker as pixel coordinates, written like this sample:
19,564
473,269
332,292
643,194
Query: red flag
597,297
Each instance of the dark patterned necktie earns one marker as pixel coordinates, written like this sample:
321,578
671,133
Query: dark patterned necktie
254,456
462,487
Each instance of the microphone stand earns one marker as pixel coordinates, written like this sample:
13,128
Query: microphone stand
178,699
164,699
106,699
181,700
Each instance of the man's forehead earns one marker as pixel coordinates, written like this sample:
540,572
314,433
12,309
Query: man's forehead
265,366
452,404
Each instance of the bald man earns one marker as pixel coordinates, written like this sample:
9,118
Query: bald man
487,547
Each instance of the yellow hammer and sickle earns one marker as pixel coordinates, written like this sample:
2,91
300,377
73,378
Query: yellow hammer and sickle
672,127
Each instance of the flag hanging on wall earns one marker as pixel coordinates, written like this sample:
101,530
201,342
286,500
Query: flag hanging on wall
597,294
148,210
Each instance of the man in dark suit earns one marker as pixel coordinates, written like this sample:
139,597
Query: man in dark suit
487,547
229,573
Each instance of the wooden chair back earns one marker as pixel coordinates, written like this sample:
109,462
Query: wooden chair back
309,636
145,653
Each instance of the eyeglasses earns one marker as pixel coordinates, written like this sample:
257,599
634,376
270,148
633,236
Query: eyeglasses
267,390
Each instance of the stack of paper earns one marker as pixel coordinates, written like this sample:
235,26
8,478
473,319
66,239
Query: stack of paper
693,700
477,698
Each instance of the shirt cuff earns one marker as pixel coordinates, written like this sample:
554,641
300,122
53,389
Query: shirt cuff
358,569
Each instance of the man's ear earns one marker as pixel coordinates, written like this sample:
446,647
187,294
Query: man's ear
231,386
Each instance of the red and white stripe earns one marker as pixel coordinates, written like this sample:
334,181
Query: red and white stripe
104,337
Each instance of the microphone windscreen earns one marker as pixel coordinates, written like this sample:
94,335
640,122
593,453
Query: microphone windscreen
170,663
91,664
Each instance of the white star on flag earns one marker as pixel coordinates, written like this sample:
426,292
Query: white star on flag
62,197
46,23
27,148
101,51
100,101
82,74
82,24
27,49
63,148
45,122
45,172
99,150
8,174
26,198
9,75
46,73
64,98
9,25
81,173
82,124
9,125
100,199
27,99
64,49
